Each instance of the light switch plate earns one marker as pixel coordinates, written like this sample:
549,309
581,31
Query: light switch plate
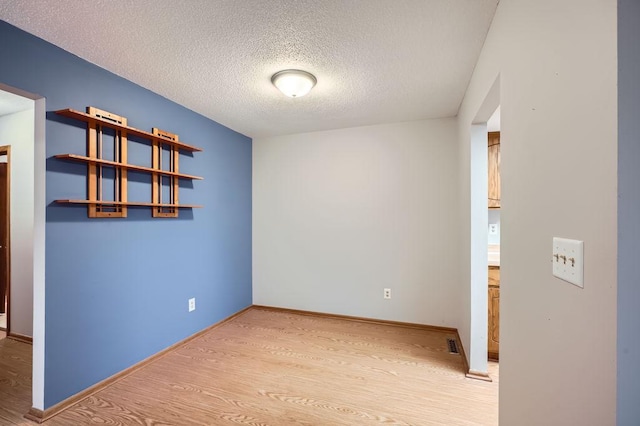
568,260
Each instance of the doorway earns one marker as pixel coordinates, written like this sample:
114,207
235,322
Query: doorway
479,238
5,240
22,126
493,227
17,221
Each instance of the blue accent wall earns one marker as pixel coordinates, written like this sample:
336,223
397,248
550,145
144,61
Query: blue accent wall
117,289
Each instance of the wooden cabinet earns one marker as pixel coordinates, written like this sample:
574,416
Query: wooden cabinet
494,170
494,313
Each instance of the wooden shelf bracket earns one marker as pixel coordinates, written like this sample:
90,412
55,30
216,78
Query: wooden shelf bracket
158,180
97,172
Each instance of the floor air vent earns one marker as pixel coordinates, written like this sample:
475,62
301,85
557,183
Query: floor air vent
453,346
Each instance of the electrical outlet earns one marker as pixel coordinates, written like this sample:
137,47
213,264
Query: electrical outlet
387,293
493,229
192,304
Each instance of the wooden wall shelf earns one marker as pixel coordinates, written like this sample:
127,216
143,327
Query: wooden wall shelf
130,203
83,159
86,117
162,143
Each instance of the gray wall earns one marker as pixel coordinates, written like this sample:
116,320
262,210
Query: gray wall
340,215
557,65
628,212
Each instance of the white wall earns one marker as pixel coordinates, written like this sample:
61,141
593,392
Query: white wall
40,213
340,215
17,130
556,62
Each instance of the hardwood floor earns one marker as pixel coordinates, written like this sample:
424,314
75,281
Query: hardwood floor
15,381
278,368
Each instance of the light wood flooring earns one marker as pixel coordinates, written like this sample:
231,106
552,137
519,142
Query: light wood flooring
15,381
267,367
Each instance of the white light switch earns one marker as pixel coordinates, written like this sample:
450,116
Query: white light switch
568,260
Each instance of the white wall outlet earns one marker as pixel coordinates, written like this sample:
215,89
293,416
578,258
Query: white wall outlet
192,304
387,293
493,229
568,260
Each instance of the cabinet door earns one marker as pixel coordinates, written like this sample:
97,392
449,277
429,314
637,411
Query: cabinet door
494,276
494,323
494,169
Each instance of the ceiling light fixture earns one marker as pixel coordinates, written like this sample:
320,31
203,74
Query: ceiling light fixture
294,83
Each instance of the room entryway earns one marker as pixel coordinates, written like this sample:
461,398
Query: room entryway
22,141
493,237
484,243
4,239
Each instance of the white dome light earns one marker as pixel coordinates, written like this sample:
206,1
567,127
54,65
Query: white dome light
294,83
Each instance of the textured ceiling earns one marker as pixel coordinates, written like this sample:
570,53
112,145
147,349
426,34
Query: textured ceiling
376,60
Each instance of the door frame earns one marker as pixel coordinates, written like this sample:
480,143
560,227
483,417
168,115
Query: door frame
479,217
6,150
40,208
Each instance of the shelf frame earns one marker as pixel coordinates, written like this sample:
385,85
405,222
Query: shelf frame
95,180
168,139
161,141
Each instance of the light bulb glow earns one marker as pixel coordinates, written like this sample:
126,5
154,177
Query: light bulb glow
294,83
